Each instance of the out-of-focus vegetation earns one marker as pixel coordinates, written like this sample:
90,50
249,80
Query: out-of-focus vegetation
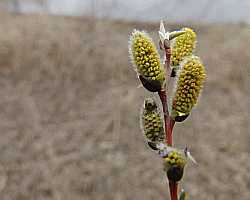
69,113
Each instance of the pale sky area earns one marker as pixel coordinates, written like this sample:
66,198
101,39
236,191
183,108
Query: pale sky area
229,11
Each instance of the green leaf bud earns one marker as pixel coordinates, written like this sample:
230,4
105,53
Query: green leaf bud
188,86
146,60
183,195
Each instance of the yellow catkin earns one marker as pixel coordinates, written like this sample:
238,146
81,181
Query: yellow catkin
153,127
188,86
152,123
183,46
174,158
145,57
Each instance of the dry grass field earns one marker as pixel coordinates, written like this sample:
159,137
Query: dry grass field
69,108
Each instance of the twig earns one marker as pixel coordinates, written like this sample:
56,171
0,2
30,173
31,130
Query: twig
169,123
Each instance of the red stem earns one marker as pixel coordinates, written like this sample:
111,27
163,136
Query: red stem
174,190
167,120
169,123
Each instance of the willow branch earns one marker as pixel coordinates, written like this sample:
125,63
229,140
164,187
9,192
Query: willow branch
169,123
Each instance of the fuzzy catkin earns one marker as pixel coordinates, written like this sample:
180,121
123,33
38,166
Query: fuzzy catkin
174,163
175,158
145,57
152,123
183,45
153,127
188,86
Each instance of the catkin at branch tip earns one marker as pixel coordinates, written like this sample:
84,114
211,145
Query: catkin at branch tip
182,46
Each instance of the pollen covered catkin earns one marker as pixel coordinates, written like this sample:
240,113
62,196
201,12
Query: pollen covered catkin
174,164
175,158
152,123
182,46
145,57
188,86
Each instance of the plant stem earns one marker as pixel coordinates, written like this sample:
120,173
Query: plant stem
173,190
168,128
169,123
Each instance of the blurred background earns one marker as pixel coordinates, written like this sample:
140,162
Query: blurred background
70,102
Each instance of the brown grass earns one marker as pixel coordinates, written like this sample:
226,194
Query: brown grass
69,113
